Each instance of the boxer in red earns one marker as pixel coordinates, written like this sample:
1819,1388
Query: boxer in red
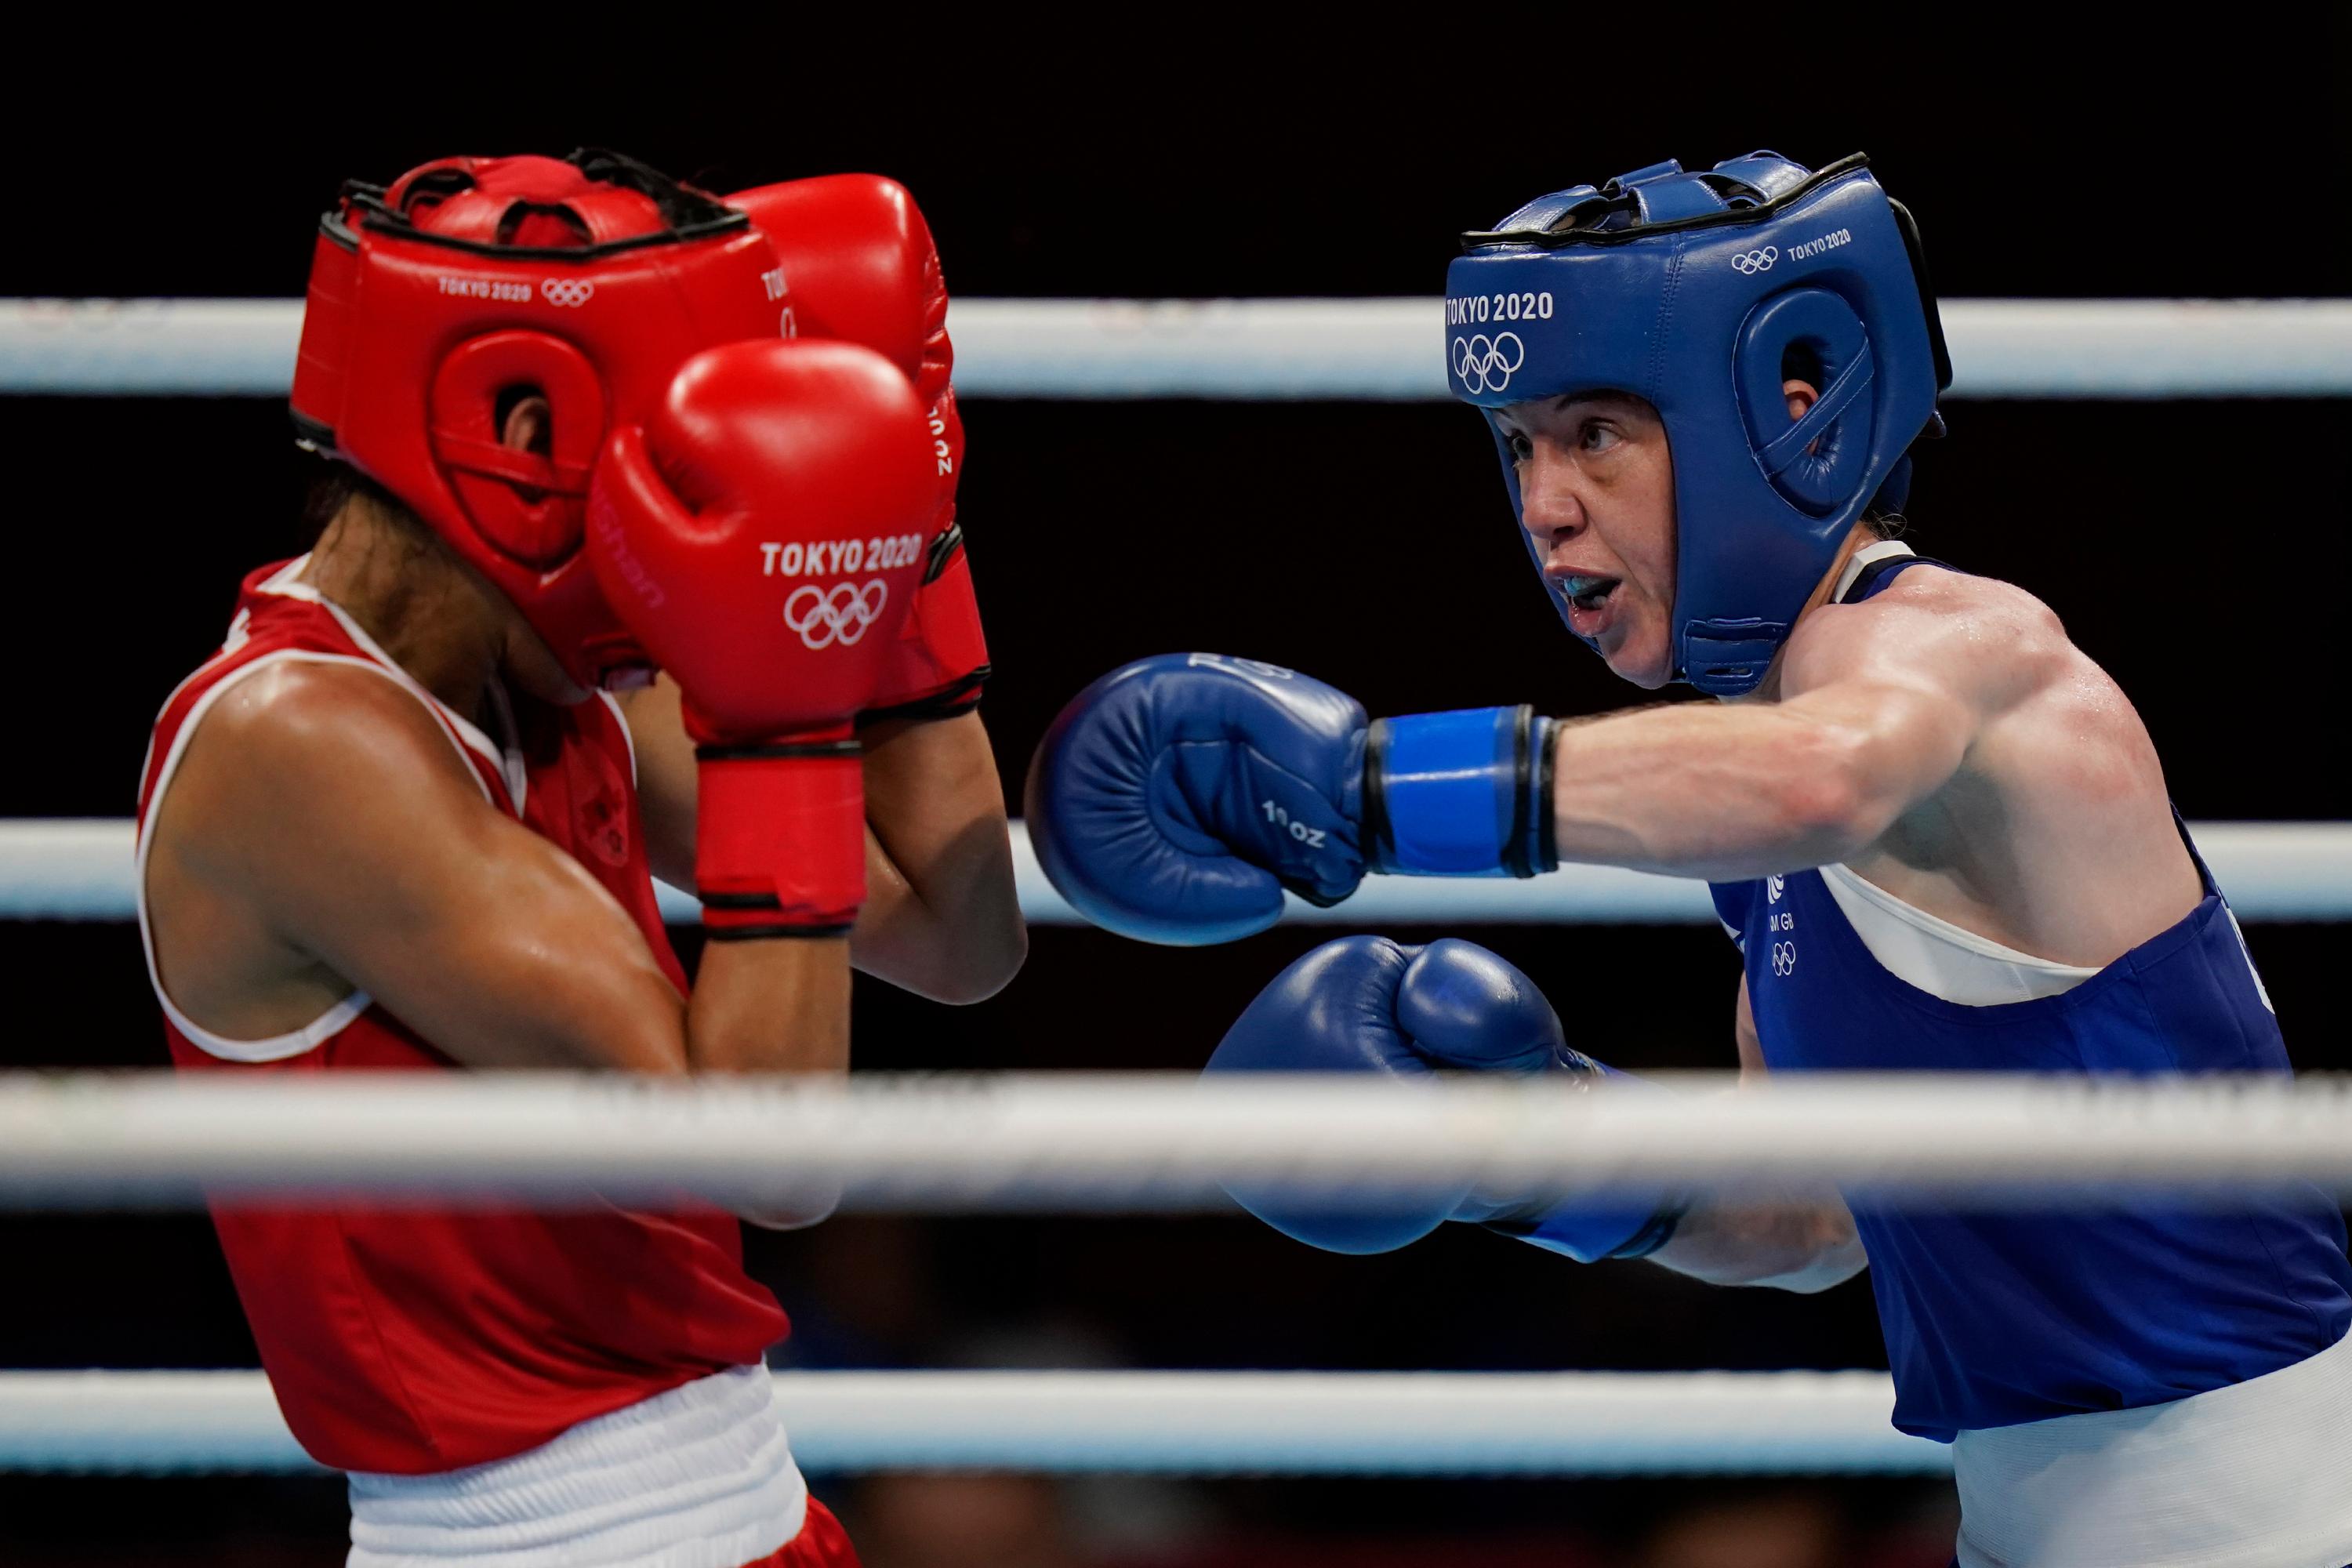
588,423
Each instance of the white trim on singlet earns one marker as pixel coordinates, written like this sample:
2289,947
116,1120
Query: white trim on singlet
463,736
1938,957
628,736
1864,559
700,1476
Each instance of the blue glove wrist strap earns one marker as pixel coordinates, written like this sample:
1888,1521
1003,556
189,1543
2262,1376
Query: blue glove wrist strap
1464,793
1591,1235
1588,1232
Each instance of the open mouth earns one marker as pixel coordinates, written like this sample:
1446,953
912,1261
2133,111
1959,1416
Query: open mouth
1587,593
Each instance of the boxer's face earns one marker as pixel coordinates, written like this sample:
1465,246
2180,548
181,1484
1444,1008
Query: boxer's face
1597,495
531,665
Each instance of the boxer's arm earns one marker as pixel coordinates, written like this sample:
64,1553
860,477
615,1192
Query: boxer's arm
941,916
328,801
1803,1246
1881,703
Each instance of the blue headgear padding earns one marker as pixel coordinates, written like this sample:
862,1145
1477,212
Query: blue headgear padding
1696,291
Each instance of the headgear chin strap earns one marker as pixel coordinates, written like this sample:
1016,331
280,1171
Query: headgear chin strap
436,300
1700,292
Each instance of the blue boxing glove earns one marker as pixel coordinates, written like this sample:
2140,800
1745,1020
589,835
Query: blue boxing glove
1365,1004
1177,797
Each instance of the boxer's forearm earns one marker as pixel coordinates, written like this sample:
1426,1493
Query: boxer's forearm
941,917
1803,1246
1730,792
780,1007
775,1006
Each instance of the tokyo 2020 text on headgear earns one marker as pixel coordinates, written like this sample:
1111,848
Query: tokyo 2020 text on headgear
1702,293
467,281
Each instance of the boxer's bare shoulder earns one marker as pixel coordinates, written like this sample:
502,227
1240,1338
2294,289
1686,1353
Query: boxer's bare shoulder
1987,642
2054,834
298,753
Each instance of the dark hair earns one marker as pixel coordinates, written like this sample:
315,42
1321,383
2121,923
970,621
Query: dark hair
337,485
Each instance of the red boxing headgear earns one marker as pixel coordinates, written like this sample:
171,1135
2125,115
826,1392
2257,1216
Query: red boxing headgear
434,301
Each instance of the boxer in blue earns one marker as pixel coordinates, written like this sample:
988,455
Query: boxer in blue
1938,833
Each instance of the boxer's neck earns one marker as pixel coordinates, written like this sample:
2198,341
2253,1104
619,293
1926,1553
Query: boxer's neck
1856,537
433,617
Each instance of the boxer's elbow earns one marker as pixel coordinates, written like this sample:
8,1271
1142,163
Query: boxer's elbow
983,964
1845,784
1827,1262
1827,803
954,960
1804,1247
1852,760
813,1205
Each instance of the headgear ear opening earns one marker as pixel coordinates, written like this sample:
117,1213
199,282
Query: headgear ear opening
1810,461
526,506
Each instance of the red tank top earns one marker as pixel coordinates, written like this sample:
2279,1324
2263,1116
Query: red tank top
409,1341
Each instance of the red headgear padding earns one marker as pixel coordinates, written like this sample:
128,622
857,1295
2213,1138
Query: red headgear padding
469,281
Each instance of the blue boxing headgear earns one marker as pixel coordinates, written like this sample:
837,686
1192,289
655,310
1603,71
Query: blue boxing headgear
1700,292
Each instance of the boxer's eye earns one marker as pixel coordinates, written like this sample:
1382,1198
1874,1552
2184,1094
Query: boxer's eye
1521,449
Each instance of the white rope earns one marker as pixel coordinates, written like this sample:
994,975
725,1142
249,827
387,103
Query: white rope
76,868
1161,1142
1259,349
1167,1423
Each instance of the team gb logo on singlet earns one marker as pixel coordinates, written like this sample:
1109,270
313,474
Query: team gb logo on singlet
1780,921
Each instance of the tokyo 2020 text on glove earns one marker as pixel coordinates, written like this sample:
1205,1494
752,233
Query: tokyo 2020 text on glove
760,533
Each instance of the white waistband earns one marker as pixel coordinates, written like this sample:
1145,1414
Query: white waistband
2256,1475
699,1477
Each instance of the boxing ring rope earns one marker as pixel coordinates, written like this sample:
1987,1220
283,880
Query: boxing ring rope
1133,1142
1150,1142
1379,349
1110,1144
76,868
1165,1422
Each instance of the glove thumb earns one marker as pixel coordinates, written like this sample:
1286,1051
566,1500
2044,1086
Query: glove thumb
1462,1007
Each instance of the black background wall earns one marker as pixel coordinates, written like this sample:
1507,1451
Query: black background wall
2195,547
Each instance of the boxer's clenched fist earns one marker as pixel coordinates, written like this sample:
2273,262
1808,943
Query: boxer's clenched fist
762,533
861,265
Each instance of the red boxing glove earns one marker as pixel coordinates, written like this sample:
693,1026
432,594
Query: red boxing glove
763,533
941,661
859,264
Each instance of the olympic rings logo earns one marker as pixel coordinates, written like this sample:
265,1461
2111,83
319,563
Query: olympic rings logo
840,613
1485,365
1784,958
1748,263
566,291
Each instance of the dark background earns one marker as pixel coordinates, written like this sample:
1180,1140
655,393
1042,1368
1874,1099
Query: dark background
1367,544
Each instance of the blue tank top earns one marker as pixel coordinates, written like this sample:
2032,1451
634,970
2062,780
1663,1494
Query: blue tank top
1992,1318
